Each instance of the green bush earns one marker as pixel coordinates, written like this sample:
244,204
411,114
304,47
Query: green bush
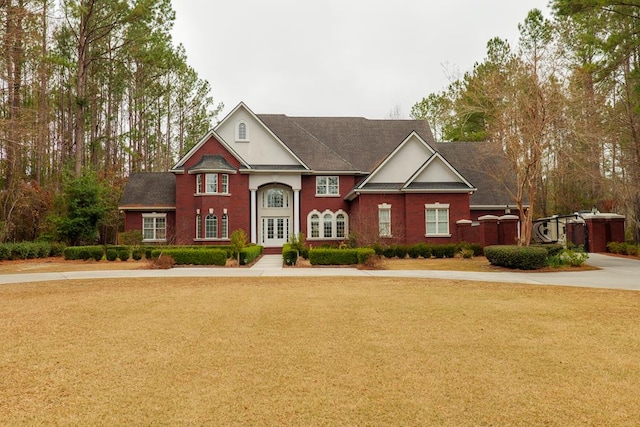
424,250
413,251
83,252
475,247
552,249
124,253
444,250
400,251
137,254
322,256
289,254
364,254
190,256
517,257
249,253
5,252
111,254
57,249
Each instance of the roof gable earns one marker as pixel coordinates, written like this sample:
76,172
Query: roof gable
259,145
437,170
402,162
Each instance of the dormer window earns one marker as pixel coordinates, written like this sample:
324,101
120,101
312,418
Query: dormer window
242,132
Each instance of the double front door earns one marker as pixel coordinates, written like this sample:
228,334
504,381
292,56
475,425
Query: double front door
275,215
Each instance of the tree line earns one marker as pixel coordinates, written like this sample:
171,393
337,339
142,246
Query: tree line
91,87
564,105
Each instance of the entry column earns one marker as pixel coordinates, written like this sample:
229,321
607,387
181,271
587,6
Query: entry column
254,217
296,212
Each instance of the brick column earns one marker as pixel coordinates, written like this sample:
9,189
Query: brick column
488,230
508,232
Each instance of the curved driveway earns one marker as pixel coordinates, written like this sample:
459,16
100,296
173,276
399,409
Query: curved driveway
614,273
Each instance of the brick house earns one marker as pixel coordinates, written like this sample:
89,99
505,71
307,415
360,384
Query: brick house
327,177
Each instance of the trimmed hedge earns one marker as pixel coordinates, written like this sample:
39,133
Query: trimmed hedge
249,253
83,252
623,248
24,250
323,256
517,257
190,256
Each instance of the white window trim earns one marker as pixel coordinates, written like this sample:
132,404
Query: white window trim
384,207
155,216
334,225
326,186
437,207
221,179
246,127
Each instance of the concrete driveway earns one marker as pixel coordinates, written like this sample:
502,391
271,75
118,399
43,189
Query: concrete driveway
614,273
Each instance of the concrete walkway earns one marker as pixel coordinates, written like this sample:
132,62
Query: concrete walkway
614,273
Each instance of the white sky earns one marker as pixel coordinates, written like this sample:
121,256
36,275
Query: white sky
339,57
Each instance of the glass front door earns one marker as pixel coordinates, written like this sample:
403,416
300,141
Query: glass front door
275,231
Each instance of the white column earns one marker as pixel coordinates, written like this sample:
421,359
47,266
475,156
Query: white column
254,217
296,212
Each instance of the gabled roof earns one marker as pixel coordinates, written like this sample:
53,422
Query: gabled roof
352,144
484,164
149,190
457,181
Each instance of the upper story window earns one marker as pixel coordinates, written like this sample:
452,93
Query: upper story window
242,131
327,186
437,220
209,183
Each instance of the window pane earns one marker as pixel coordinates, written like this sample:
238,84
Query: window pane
315,226
211,227
242,131
224,184
224,232
333,185
328,225
321,185
340,226
212,183
275,198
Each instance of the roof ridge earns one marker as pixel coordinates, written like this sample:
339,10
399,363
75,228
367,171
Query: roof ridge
315,138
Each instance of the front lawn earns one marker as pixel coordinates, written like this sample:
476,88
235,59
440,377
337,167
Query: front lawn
316,351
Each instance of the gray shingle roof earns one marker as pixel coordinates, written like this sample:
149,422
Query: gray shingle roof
211,162
149,190
484,165
343,143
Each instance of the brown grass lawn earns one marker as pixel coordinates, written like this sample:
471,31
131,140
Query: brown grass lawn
318,351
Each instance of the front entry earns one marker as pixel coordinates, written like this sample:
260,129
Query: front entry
275,231
275,215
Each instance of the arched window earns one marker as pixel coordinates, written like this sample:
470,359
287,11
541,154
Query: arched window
340,226
328,225
315,226
275,198
211,227
334,225
242,132
198,227
224,225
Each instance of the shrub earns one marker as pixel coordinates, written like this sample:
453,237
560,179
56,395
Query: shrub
333,256
388,252
249,254
573,258
83,252
5,252
518,257
400,251
111,254
424,250
124,253
466,253
57,249
373,262
552,249
444,251
137,254
163,262
364,254
413,251
190,256
298,243
289,254
475,247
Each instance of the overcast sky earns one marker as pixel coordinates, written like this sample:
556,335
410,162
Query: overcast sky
339,57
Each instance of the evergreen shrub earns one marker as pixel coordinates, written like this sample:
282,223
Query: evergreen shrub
517,257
